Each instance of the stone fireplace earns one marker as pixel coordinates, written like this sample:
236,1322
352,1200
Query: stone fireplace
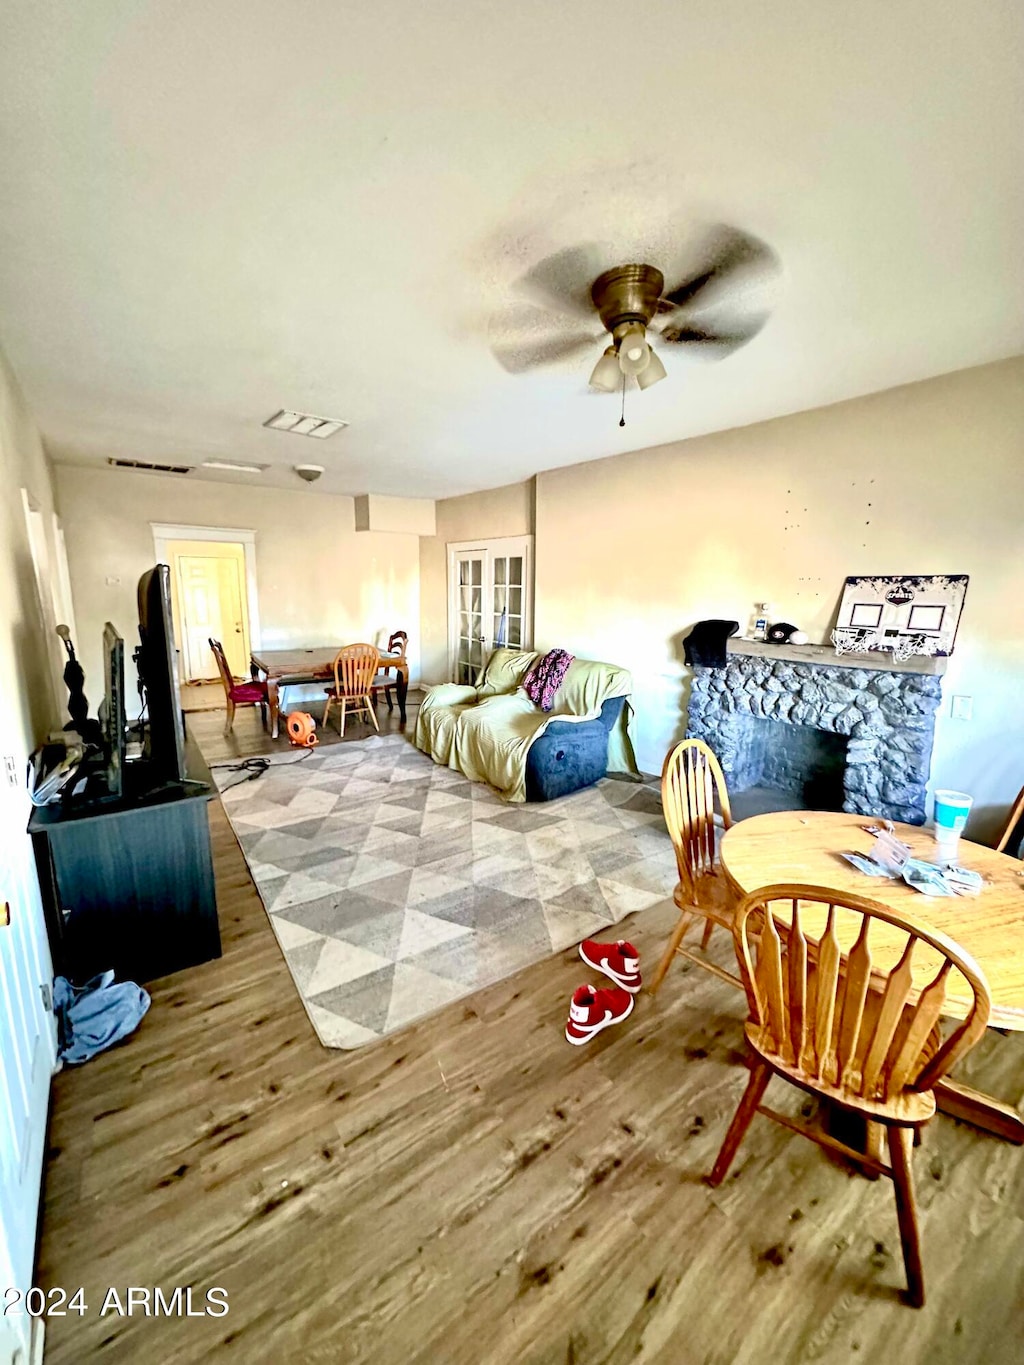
798,726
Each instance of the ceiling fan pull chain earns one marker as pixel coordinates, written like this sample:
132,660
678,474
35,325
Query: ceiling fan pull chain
622,419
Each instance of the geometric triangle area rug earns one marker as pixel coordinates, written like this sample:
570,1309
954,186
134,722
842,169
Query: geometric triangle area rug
396,886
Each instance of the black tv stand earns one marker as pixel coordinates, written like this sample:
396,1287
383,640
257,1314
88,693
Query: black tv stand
127,881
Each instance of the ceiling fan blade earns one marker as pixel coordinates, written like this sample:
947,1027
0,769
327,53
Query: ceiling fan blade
725,340
561,282
530,353
726,252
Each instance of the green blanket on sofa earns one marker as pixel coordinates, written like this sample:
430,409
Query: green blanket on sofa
485,732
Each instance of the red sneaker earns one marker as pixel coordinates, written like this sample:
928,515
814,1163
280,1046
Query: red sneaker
590,1011
620,961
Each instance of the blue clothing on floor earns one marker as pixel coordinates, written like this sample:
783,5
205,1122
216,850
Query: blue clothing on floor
94,1016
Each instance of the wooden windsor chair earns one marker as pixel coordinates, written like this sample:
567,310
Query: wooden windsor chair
1012,838
863,1037
692,782
384,682
354,667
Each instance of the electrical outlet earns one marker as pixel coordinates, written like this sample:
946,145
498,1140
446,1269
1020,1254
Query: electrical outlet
962,708
10,770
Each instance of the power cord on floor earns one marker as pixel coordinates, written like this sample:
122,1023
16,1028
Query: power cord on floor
256,767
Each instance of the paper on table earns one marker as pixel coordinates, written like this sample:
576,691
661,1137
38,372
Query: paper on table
863,863
928,878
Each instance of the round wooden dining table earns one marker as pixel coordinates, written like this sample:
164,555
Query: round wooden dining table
807,847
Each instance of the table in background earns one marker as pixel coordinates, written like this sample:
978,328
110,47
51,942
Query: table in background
289,667
807,847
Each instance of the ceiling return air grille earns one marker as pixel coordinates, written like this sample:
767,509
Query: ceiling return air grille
305,424
153,468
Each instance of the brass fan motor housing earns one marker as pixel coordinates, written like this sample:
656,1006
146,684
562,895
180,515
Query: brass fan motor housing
627,293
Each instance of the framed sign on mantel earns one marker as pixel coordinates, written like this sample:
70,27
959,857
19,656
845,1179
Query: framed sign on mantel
906,614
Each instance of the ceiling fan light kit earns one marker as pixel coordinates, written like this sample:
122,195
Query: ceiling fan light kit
718,307
634,352
607,375
653,372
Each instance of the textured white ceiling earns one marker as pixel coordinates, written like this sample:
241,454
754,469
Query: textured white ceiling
213,211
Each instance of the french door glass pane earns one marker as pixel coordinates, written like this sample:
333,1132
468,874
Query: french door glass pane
489,601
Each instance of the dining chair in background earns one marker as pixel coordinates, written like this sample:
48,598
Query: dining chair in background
354,668
692,783
863,1039
251,693
398,640
1011,840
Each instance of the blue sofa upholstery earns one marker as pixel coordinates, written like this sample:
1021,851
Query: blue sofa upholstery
569,756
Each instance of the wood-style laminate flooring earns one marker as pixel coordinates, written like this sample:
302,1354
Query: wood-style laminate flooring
476,1190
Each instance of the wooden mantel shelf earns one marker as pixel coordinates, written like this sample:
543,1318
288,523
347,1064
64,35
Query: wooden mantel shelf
824,656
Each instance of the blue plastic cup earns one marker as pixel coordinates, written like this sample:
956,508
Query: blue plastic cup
951,812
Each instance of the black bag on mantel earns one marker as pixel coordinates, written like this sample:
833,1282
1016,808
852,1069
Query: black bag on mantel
704,647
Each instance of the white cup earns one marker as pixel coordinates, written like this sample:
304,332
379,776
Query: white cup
951,812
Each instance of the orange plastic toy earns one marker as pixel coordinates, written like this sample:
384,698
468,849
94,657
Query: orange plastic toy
301,728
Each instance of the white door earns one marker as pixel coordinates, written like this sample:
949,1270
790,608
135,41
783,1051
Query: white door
27,1053
489,601
210,592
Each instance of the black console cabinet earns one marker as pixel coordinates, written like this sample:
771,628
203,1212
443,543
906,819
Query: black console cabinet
129,885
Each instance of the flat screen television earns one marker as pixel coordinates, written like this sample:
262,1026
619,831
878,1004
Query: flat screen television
113,721
164,736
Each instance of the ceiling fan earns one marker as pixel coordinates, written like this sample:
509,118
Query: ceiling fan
715,308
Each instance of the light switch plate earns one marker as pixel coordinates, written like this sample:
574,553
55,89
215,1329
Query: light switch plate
962,708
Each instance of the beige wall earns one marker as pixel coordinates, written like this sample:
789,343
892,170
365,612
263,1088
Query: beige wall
411,516
928,478
30,704
320,581
28,657
506,511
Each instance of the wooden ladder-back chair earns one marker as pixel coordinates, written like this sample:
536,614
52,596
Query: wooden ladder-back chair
385,682
859,1034
691,782
1012,838
354,667
252,693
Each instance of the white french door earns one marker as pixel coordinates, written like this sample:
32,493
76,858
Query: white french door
490,601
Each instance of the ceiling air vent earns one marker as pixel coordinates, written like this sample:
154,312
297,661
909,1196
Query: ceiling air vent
304,424
153,468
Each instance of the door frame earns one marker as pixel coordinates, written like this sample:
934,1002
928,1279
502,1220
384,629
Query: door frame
488,547
164,532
